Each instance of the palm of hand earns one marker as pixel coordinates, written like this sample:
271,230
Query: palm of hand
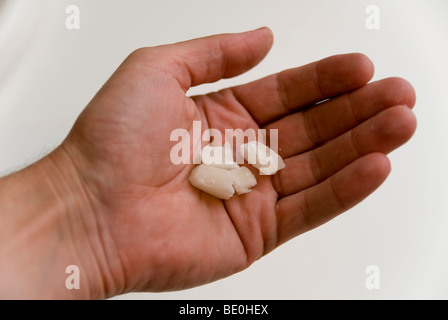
163,234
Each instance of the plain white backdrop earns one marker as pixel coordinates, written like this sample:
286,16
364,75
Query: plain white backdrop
49,73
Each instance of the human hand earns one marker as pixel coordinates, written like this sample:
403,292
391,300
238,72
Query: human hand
148,229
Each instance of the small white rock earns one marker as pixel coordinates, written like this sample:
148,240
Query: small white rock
220,176
243,180
215,181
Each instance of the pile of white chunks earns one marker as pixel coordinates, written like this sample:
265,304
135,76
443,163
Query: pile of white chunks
220,176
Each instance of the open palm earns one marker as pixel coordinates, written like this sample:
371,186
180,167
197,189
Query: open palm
157,232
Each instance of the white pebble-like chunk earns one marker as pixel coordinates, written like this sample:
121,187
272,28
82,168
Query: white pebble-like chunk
215,181
266,160
243,180
219,157
220,176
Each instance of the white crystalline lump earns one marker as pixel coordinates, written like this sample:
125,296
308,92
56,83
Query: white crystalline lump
243,180
266,160
220,157
220,182
220,176
216,181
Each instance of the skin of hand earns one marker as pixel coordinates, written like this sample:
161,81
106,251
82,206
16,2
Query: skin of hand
110,201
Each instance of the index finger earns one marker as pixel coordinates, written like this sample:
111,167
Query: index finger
279,94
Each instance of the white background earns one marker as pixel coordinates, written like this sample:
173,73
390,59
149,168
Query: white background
48,74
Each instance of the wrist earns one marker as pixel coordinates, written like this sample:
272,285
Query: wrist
47,224
78,222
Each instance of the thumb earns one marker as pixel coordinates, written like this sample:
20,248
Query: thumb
211,58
